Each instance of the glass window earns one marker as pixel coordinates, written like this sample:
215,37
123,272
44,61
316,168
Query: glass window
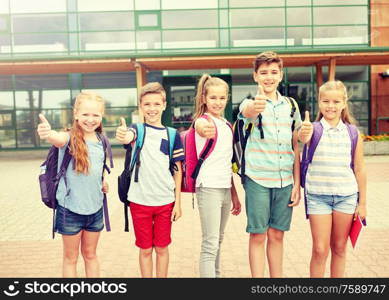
223,18
352,73
189,19
258,37
241,92
23,6
300,36
340,15
56,99
27,137
5,43
98,41
359,109
6,100
7,139
106,21
148,20
189,39
147,5
38,82
339,2
27,99
299,16
5,83
257,17
148,39
40,43
357,90
117,97
4,23
93,5
298,2
340,35
59,118
174,4
108,80
299,74
256,3
41,23
4,7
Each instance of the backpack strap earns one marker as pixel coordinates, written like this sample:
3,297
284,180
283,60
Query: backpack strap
293,109
140,138
107,148
206,151
171,136
353,132
308,156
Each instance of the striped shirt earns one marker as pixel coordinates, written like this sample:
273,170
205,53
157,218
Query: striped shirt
269,161
330,172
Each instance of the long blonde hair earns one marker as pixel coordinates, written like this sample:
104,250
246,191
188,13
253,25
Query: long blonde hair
78,147
205,82
346,115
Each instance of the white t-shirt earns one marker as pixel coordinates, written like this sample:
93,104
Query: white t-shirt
155,184
216,171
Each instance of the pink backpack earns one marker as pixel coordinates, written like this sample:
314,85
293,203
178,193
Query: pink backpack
191,165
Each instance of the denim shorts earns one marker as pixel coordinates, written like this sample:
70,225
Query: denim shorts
267,207
325,204
70,223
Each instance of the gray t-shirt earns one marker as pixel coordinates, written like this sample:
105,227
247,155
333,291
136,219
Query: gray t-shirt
83,194
155,186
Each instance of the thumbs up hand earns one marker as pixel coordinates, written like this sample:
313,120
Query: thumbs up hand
123,135
260,100
44,128
208,130
306,130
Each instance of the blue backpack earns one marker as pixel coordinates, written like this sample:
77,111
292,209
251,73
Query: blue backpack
308,152
132,163
50,177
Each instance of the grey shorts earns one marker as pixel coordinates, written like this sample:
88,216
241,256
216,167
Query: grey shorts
267,207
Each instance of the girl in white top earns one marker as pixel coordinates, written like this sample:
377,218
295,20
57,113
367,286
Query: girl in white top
336,193
214,185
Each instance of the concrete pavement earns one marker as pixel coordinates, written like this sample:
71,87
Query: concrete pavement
27,250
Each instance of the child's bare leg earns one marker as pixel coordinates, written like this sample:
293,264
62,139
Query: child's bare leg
162,261
321,233
89,242
146,262
257,254
341,223
71,244
274,251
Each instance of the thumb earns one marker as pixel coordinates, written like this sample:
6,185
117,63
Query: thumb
260,90
43,119
306,116
123,122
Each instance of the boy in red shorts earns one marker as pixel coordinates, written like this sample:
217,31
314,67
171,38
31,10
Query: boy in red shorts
155,199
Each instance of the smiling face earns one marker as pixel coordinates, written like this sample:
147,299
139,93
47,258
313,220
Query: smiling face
152,106
268,76
216,100
89,114
331,105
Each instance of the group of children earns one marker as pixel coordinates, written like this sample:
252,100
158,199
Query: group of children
335,185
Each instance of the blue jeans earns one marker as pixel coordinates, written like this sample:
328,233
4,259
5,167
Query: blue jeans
214,208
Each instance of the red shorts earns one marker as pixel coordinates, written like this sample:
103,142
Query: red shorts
152,225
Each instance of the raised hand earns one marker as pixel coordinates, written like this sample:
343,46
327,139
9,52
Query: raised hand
306,129
260,100
123,135
208,130
44,128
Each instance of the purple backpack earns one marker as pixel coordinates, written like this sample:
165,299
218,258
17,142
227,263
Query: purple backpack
50,177
315,139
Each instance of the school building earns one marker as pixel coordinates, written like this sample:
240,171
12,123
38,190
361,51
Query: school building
50,50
